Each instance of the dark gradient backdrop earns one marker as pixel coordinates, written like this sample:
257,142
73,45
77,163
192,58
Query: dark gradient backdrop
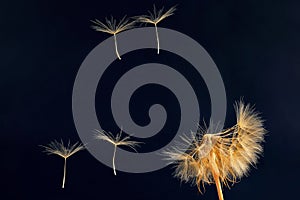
255,45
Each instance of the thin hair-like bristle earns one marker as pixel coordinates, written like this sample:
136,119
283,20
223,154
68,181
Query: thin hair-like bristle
116,140
111,26
65,151
156,16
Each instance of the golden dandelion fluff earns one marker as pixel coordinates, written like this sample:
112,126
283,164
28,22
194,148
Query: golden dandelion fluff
222,157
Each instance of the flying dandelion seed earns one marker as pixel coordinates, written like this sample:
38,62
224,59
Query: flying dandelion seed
65,152
116,141
113,28
222,157
155,18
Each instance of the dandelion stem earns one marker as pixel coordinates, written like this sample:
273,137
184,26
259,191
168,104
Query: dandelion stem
218,185
157,38
65,170
114,166
116,47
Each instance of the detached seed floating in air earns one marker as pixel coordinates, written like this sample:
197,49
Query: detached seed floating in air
116,141
64,152
154,18
111,27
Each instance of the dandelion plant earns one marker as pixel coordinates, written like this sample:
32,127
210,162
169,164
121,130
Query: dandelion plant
58,148
113,28
154,18
223,157
116,141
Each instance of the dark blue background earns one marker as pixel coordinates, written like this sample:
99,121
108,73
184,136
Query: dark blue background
255,44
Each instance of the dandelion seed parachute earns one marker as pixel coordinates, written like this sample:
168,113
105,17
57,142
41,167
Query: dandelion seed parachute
222,157
154,18
116,141
113,28
58,148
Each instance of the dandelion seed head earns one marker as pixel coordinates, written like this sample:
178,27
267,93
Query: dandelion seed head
228,153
